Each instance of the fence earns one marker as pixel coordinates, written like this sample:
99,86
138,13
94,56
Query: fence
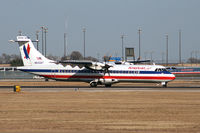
13,73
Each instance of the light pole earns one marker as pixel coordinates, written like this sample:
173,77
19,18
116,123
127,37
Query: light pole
122,37
65,46
167,49
179,46
84,30
151,55
45,32
42,40
37,39
139,31
20,32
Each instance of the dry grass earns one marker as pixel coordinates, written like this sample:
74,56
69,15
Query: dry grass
100,112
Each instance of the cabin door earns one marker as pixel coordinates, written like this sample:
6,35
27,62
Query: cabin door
53,73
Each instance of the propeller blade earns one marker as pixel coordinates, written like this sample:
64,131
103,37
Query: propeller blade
106,69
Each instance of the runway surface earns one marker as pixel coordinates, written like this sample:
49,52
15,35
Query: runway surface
100,89
55,86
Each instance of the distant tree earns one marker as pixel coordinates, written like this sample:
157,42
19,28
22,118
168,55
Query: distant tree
51,57
76,55
16,62
1,60
91,58
65,58
5,59
193,60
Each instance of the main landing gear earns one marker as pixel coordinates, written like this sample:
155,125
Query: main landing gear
94,84
164,84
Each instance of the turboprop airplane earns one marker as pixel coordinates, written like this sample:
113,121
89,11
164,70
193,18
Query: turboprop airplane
94,73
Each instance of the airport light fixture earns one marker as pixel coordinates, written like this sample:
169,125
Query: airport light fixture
37,39
139,32
84,30
65,46
180,47
20,32
42,40
122,37
45,37
44,30
167,49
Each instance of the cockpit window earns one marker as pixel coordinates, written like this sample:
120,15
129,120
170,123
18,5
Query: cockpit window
160,69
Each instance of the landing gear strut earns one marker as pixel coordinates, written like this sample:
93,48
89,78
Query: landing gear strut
164,84
93,84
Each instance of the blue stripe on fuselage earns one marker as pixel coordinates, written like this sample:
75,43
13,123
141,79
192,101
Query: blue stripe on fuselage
90,71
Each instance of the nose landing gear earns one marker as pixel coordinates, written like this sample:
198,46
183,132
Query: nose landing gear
164,84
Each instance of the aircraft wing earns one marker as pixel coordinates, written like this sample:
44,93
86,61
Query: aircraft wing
170,68
88,64
76,62
139,61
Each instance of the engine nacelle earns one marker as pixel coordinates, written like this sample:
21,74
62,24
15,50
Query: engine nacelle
96,66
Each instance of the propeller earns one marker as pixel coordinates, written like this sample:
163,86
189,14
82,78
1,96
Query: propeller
106,66
171,68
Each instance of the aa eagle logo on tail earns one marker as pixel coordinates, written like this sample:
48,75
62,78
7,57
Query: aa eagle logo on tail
26,51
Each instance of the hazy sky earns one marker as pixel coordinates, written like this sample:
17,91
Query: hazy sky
105,21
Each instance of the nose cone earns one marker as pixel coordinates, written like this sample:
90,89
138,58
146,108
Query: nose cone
173,76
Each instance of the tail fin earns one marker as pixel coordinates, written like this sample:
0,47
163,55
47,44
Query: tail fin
29,54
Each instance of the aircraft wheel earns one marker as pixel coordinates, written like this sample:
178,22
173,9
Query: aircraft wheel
93,84
108,85
164,84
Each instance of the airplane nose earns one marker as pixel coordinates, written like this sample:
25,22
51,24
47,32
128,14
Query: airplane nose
173,76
